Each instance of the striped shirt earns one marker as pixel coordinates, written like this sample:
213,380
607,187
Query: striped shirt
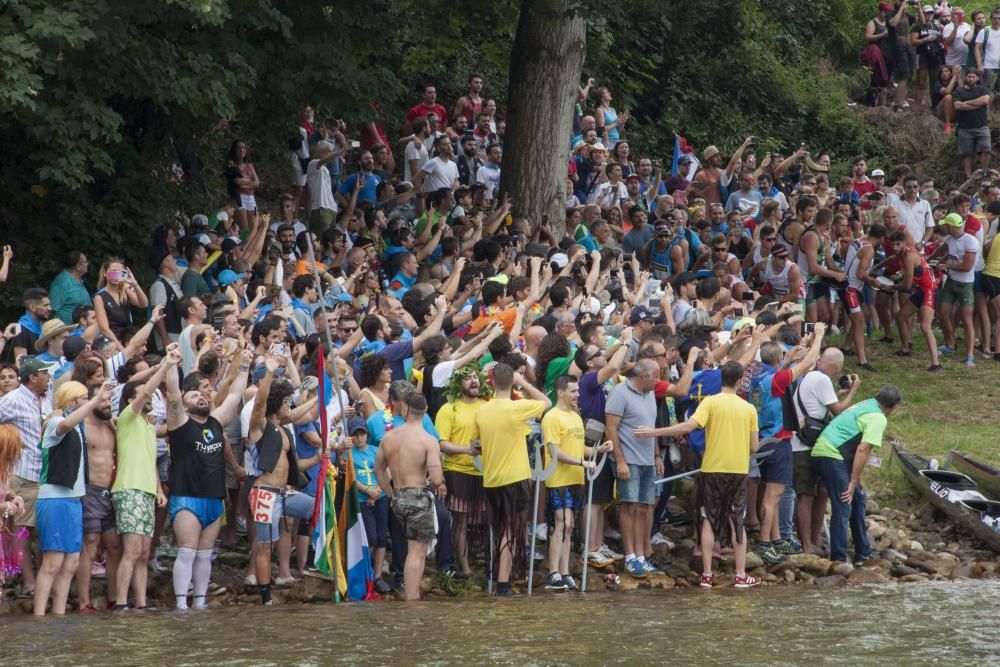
24,410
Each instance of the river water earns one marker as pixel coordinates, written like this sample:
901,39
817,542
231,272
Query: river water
907,624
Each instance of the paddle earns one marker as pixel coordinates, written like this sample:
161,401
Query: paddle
756,457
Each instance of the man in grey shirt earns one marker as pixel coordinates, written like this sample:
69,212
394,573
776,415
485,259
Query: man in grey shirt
630,405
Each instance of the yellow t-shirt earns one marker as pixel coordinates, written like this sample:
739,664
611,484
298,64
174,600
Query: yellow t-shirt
992,267
728,421
500,428
456,423
136,453
565,429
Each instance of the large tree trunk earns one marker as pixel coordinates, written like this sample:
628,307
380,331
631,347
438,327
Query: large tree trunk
545,68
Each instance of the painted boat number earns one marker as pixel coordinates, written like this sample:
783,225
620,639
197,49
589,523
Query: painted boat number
941,491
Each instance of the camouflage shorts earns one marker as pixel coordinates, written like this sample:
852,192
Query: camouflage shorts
415,510
135,511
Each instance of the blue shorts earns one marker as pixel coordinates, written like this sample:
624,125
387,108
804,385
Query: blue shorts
294,505
639,487
60,524
977,283
566,498
163,466
207,510
776,468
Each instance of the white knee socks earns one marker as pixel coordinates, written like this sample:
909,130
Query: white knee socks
202,575
182,575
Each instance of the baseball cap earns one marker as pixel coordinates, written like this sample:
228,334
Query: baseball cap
156,256
633,177
639,313
229,243
878,172
684,159
560,259
227,277
33,365
662,229
685,278
199,220
953,220
355,424
927,9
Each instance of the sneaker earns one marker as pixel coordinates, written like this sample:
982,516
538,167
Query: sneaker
598,559
706,580
542,532
788,547
382,588
504,590
970,362
745,581
945,349
285,581
97,570
769,555
996,356
934,368
868,367
570,583
611,553
215,589
533,554
860,560
652,569
635,569
947,128
250,580
612,534
555,582
156,566
658,538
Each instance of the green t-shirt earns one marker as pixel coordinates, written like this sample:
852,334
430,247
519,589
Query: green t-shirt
557,367
136,448
865,418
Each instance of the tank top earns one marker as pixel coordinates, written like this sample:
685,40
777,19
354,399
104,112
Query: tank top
803,261
777,281
199,465
783,240
472,110
757,257
661,263
119,315
849,264
993,261
923,277
610,116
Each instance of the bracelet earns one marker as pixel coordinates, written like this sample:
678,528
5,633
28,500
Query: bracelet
244,367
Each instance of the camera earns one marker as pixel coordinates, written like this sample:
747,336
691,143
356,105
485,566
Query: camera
738,312
808,327
844,382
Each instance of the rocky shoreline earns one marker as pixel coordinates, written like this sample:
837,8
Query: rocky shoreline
914,545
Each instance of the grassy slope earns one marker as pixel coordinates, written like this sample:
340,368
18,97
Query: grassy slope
952,409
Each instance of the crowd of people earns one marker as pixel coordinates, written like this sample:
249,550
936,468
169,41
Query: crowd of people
680,323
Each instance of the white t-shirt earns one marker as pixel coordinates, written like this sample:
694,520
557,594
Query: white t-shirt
50,438
488,175
958,50
957,249
991,54
414,151
917,219
605,193
439,174
297,226
816,392
320,193
442,374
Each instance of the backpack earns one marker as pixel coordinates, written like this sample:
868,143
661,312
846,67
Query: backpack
810,428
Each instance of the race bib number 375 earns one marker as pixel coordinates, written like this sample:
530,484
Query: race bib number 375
262,504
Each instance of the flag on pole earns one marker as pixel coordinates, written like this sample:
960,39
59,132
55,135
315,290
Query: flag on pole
325,537
360,575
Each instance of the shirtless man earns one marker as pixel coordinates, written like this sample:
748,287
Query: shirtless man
406,457
274,493
98,512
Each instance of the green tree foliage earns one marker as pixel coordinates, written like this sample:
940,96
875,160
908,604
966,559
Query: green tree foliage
99,97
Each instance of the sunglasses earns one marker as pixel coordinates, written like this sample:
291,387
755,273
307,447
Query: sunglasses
769,239
349,329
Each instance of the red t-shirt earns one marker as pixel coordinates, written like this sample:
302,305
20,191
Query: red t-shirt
420,110
973,224
863,188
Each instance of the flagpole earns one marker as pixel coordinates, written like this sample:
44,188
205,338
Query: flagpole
335,388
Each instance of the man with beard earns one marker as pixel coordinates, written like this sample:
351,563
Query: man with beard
197,451
369,182
971,103
440,171
98,512
137,488
456,424
706,182
468,162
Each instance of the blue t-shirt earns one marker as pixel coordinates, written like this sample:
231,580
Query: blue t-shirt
364,470
304,451
367,192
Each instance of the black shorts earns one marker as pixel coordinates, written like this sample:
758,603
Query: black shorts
722,500
465,493
902,61
806,477
776,468
990,286
931,62
604,484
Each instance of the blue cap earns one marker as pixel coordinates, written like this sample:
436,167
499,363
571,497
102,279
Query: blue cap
355,424
227,277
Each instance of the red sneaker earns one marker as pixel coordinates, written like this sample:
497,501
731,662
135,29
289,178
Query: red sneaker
706,580
746,581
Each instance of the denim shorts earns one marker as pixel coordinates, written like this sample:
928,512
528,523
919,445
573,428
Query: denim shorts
207,510
566,498
295,505
639,487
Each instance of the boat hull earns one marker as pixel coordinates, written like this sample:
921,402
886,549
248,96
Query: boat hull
987,477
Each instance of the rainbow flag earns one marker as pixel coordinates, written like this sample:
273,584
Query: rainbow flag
325,538
360,575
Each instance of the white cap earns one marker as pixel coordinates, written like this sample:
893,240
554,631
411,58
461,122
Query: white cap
560,259
878,172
